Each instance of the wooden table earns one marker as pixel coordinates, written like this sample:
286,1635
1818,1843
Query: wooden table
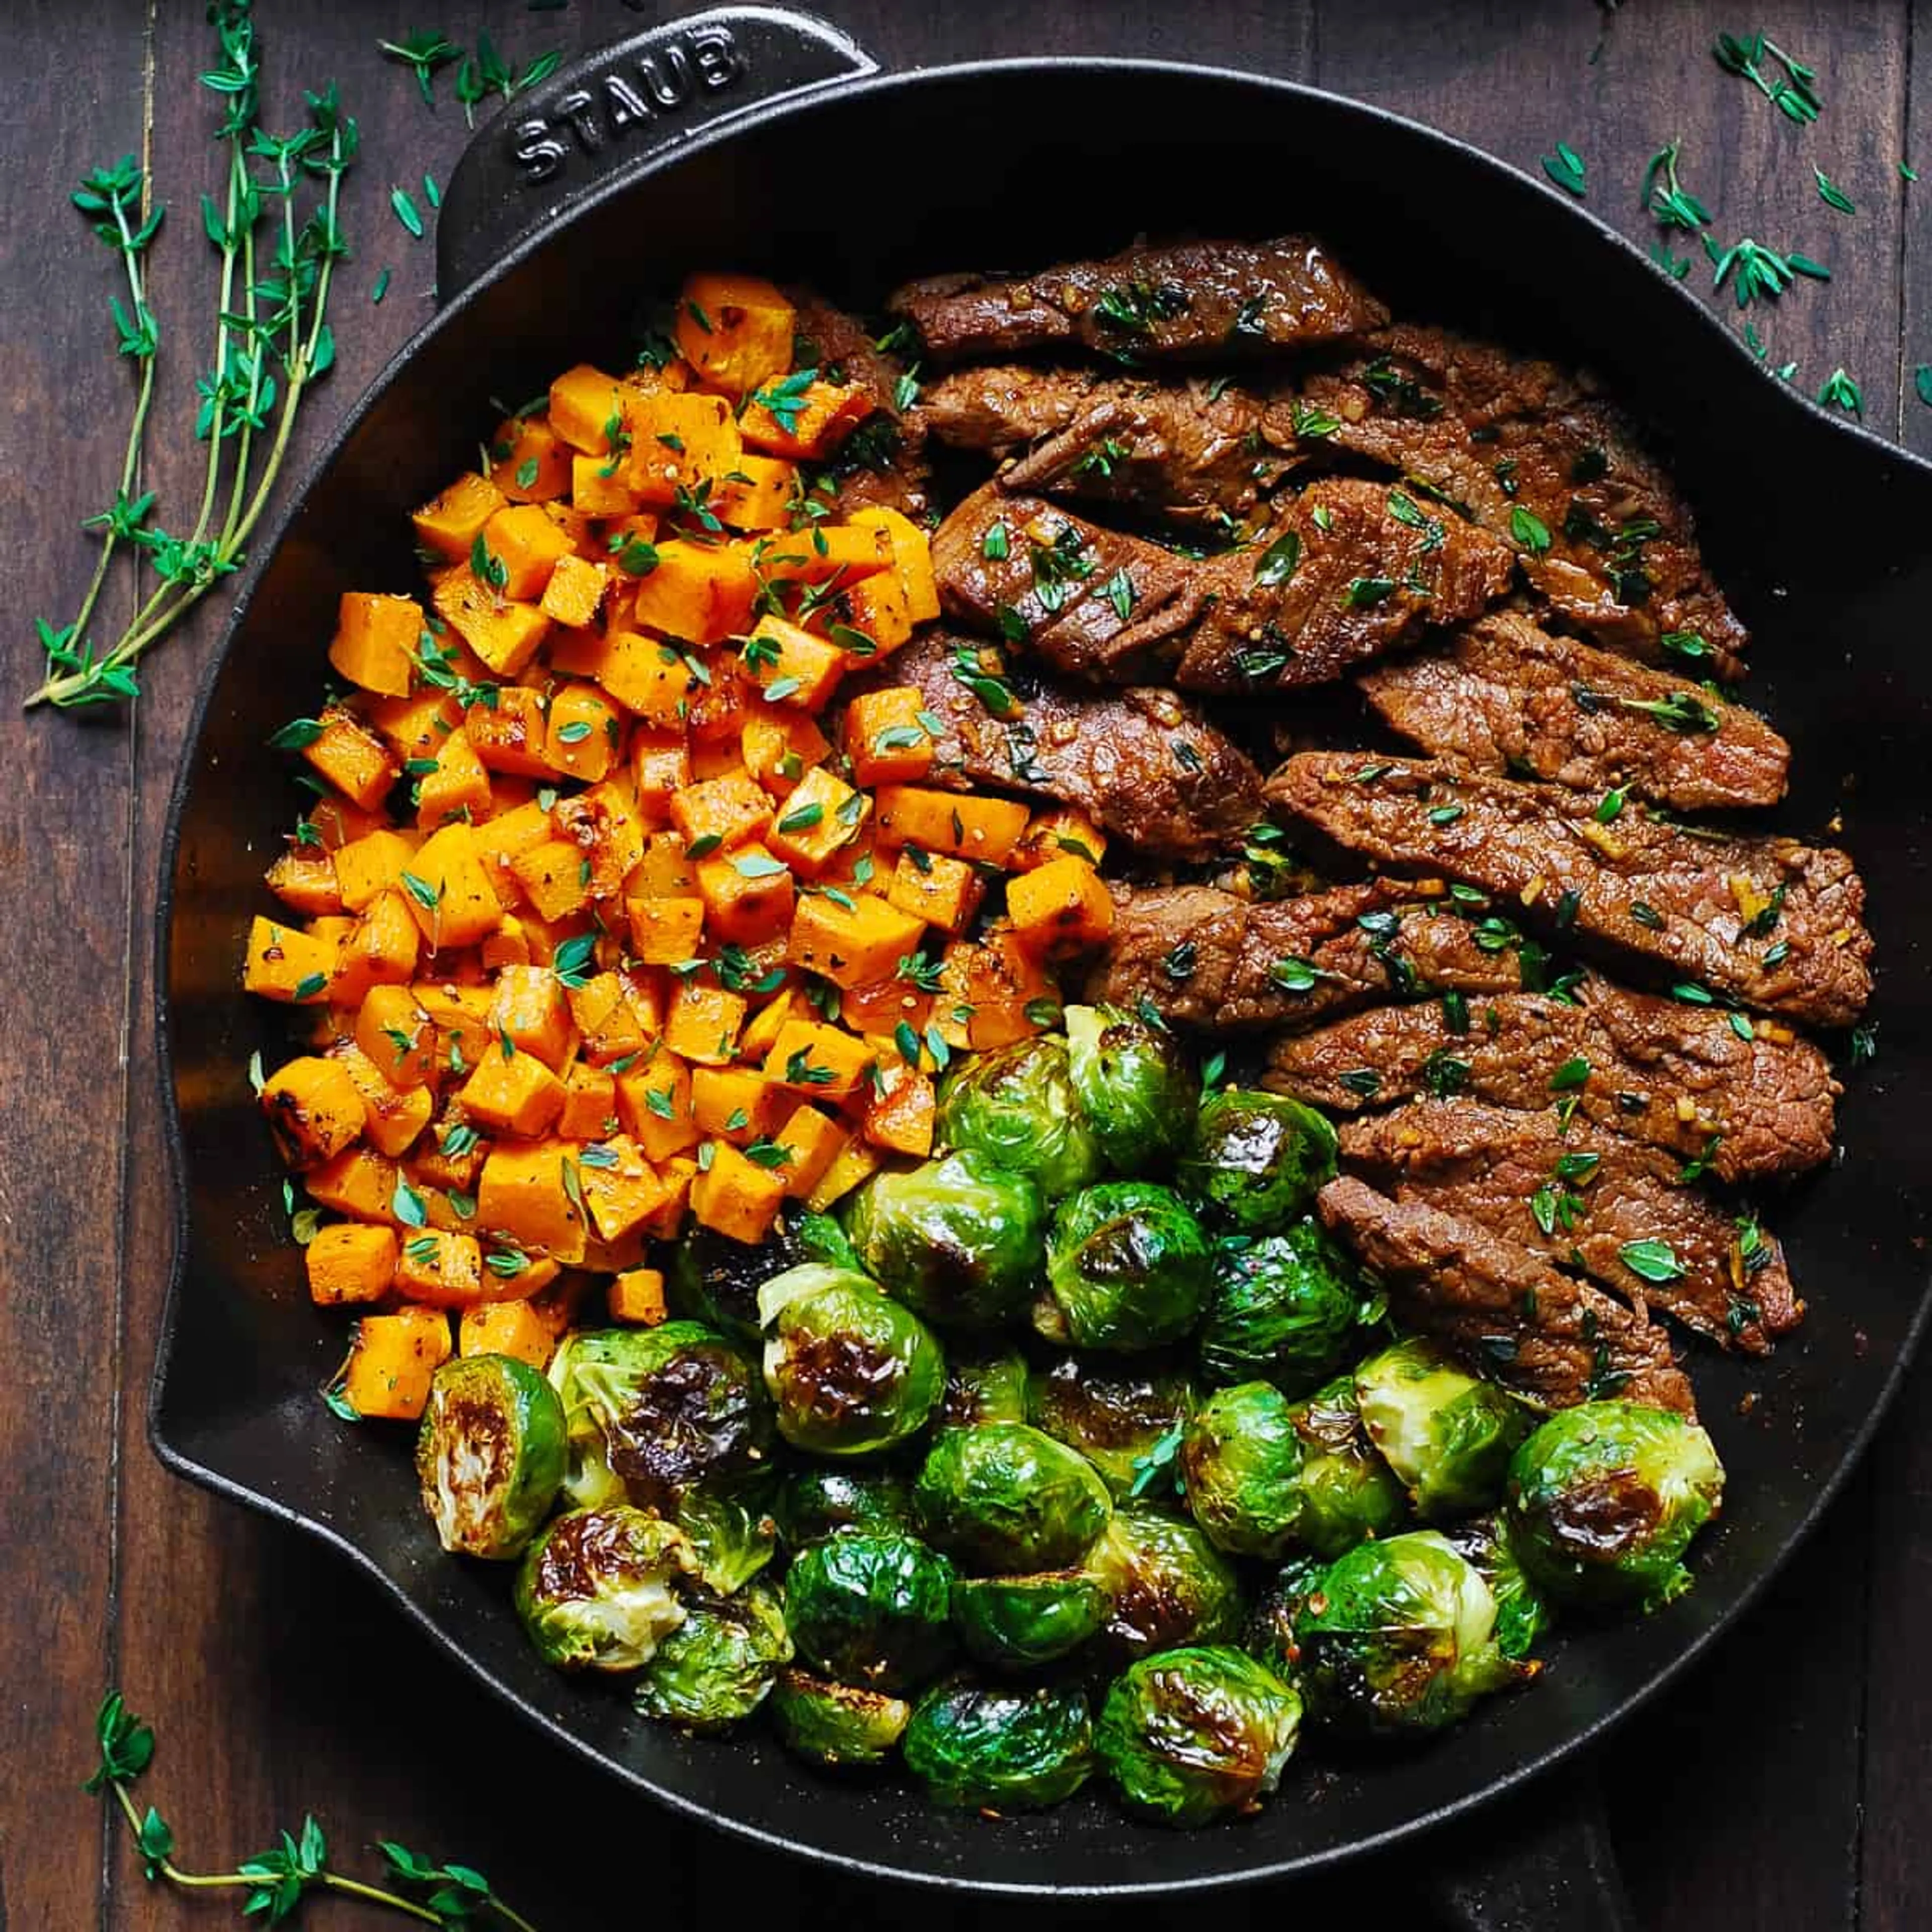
1785,1786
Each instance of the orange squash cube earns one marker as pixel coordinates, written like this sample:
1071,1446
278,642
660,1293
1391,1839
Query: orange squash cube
1058,831
678,442
528,1007
665,871
735,1196
654,1103
935,889
704,1022
965,827
450,523
901,1113
873,617
653,680
304,878
812,1141
823,814
439,1270
449,892
285,964
508,735
854,1162
350,1261
721,813
358,1182
386,943
575,592
660,770
816,1061
597,488
504,634
701,593
586,732
527,544
885,740
912,558
584,407
637,1297
589,1104
792,667
457,786
314,1110
528,461
821,551
506,1328
664,931
351,758
397,1115
1061,906
814,422
854,945
375,641
779,747
735,331
555,875
612,1026
367,867
501,841
875,1011
755,493
734,1103
515,1093
393,1361
748,894
414,726
396,1036
620,1187
523,1196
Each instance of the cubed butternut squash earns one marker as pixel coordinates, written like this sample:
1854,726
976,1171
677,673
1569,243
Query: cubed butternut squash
792,667
508,735
456,785
511,1328
314,1110
735,1103
358,1182
939,891
1054,833
678,442
524,1196
393,1361
586,733
735,331
821,551
885,739
607,1018
589,1104
450,894
528,1008
755,493
1059,907
512,1093
351,758
777,747
573,593
966,827
912,558
555,875
585,410
701,593
637,1297
748,894
734,1196
814,419
395,1115
664,931
375,641
823,814
855,1162
620,1187
852,945
654,1104
367,867
721,813
530,462
815,1060
285,964
450,523
304,879
704,1022
901,1112
505,634
653,680
439,1270
812,1142
350,1261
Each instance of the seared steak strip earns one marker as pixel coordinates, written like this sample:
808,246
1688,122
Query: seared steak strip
1675,1076
1142,762
1553,1339
1207,959
1767,921
884,460
1585,1196
1506,697
1194,299
1535,455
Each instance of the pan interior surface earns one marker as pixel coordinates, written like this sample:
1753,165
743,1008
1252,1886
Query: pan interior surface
1014,165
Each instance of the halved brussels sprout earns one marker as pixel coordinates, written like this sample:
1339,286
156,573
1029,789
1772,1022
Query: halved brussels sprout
1000,1750
732,1533
1007,1499
1115,1413
1136,1085
1285,1309
490,1454
1399,1636
958,1240
1270,1634
837,1726
1018,1623
1605,1498
1191,1735
665,1409
1015,1106
719,1665
1241,1468
1448,1435
712,1279
850,1372
596,1591
1127,1267
1348,1492
1169,1585
813,1503
1257,1158
1523,1614
870,1607
987,1384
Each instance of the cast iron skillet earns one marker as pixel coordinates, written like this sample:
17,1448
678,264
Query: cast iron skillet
771,143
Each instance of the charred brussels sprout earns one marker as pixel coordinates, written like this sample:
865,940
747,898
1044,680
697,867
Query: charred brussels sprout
1348,1492
664,1409
870,1607
850,1371
1115,1413
813,1503
1001,1750
984,1385
1127,1267
1523,1614
1241,1468
1015,1107
596,1590
1135,1086
490,1454
958,1240
1017,1623
1285,1309
837,1726
1007,1499
1447,1436
1270,1634
1604,1499
1193,1735
732,1533
719,1665
712,1279
1399,1636
1169,1585
1257,1158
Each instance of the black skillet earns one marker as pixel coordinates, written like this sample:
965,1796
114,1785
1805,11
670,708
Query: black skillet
750,138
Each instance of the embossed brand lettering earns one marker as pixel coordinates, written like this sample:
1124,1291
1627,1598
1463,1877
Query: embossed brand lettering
629,94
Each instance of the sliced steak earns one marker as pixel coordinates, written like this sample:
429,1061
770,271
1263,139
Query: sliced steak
1193,449
1188,299
1348,570
1142,762
1207,959
1672,1075
1768,921
1584,1196
883,460
1554,1339
1535,455
1506,697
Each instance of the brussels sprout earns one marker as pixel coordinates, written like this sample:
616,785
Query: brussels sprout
836,1726
1257,1158
1190,1735
712,1279
1009,1499
490,1454
1604,1499
850,1371
1399,1636
1115,1413
1447,1436
958,1240
1241,1468
1002,1751
1523,1614
984,1385
1270,1634
666,1408
719,1665
1348,1492
1127,1266
1284,1308
1136,1085
1169,1585
1016,1623
733,1535
819,1238
813,1503
1015,1106
870,1607
596,1591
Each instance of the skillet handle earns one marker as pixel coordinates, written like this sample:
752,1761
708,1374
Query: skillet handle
606,118
1539,1866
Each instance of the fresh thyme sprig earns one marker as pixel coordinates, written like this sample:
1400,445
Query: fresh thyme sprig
276,1882
1794,97
264,323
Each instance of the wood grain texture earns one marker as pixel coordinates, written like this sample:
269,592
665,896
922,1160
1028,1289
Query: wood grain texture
278,1680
